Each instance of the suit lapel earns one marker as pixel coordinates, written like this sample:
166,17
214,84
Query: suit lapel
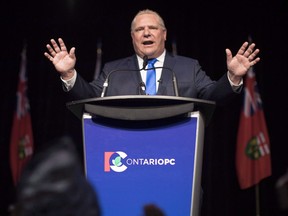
136,76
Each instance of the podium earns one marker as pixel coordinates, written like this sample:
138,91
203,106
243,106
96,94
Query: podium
141,150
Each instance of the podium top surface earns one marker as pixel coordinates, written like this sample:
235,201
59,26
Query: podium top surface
140,107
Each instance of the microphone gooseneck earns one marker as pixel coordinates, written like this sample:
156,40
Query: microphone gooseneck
106,82
142,85
174,80
175,85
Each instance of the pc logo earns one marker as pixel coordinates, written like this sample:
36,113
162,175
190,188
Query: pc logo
112,160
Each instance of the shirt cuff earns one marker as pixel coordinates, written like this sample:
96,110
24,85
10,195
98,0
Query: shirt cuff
236,88
68,84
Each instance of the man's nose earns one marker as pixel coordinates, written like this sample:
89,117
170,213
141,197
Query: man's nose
147,31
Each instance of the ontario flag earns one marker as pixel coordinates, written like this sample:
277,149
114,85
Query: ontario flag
253,161
21,141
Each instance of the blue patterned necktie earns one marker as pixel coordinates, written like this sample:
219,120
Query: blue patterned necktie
151,77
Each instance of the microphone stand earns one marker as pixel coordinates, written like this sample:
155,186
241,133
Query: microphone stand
106,82
142,84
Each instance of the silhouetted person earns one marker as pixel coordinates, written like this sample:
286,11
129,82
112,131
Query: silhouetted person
53,183
282,193
152,210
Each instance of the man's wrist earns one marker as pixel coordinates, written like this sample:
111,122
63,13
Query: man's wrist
69,83
68,75
234,81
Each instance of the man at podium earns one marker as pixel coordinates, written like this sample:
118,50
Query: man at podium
127,76
175,75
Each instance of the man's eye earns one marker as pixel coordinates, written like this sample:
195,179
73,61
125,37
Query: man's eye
153,28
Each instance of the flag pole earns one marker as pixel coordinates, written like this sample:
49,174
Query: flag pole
174,47
98,59
257,200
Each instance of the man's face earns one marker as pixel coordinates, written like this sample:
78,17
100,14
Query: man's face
148,36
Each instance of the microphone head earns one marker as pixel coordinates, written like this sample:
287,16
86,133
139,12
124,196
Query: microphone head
145,61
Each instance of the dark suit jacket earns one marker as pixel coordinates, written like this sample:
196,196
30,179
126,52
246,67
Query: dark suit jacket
125,79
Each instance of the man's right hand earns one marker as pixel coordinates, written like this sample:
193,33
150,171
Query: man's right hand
63,61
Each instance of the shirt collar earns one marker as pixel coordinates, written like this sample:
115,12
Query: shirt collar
159,58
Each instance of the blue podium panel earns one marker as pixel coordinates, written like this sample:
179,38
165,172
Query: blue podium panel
131,164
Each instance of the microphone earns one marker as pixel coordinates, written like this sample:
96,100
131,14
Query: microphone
145,62
142,88
106,82
174,79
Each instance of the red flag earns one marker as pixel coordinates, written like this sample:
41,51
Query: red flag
21,141
253,159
